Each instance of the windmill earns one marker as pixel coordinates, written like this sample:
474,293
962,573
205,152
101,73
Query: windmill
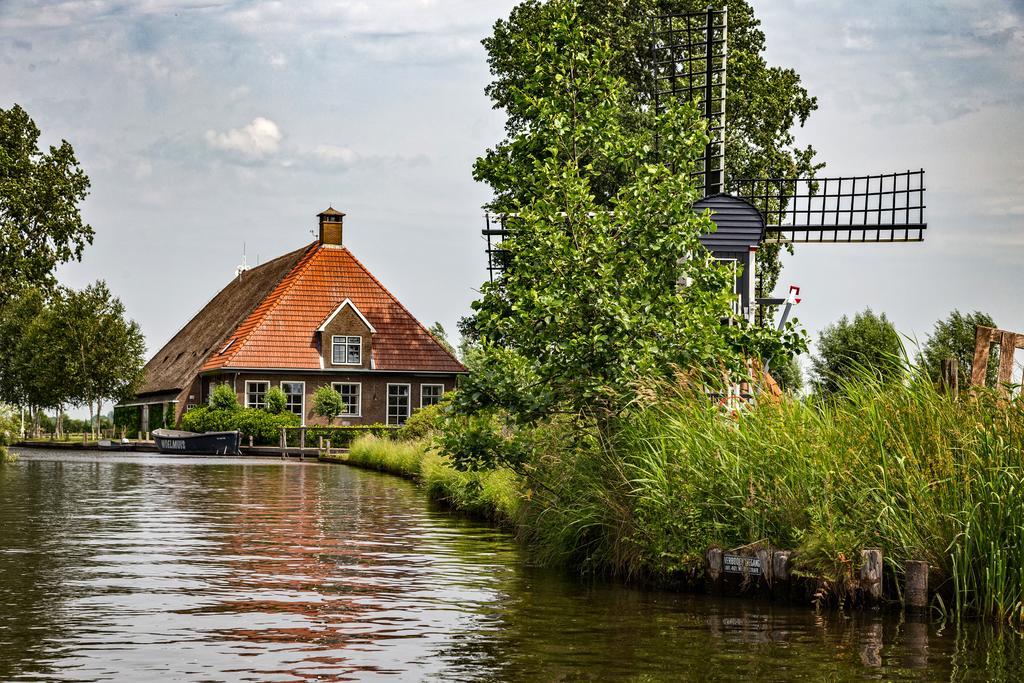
688,54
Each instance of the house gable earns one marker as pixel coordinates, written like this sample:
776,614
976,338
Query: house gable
346,321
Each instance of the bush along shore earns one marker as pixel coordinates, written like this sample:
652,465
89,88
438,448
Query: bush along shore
933,482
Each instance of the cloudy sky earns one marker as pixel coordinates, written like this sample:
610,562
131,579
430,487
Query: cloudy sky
209,125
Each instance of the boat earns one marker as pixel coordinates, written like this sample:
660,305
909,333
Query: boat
207,443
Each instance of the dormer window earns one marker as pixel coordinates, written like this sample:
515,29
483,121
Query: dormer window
346,350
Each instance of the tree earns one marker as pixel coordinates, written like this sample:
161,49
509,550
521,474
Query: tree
40,223
590,301
441,335
764,103
108,349
868,343
16,315
954,338
328,403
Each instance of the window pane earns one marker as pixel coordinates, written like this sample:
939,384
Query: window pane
256,396
354,348
430,394
398,403
293,394
349,393
338,351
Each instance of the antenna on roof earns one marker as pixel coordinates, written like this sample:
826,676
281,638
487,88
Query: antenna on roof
243,266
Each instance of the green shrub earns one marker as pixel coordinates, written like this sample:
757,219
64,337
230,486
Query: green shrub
425,421
327,403
6,456
223,397
481,441
264,427
276,400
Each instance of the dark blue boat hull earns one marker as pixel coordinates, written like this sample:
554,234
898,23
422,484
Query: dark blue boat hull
210,443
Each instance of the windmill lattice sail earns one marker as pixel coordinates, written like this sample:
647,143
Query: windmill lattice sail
688,57
888,207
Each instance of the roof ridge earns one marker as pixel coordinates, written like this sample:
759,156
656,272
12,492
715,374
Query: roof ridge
401,305
290,278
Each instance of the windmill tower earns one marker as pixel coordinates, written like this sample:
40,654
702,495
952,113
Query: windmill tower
689,55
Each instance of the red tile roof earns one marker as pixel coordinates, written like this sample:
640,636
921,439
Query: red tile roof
281,331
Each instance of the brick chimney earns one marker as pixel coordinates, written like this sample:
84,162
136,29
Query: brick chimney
331,226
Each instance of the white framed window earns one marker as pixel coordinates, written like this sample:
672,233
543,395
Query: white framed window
346,350
430,394
352,396
398,403
295,398
256,394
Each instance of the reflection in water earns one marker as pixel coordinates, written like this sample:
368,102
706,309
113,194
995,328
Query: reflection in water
137,567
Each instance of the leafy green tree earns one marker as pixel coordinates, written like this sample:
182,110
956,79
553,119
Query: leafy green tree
40,223
441,335
954,338
276,401
590,300
328,403
16,315
868,343
107,349
765,104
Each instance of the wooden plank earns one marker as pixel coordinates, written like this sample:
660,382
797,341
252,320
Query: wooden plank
951,377
1007,346
982,342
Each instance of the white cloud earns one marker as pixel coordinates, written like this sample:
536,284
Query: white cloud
259,139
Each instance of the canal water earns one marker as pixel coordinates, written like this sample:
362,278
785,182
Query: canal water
136,567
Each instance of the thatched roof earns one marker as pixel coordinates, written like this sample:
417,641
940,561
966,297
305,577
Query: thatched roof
175,365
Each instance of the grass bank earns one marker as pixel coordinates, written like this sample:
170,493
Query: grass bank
493,495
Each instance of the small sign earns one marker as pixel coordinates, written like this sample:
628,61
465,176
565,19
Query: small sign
742,564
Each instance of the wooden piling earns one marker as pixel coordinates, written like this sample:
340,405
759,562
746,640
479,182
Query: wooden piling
871,572
764,555
781,565
916,591
716,565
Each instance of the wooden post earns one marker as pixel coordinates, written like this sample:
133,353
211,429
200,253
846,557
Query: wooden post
982,342
250,441
716,564
284,442
765,556
781,564
951,377
1007,346
917,585
321,442
871,572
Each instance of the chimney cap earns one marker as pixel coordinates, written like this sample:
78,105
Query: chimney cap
330,211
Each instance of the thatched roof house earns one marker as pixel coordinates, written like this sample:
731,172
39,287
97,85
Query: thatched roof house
312,317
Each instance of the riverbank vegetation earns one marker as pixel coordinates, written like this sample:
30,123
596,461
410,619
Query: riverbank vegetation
896,465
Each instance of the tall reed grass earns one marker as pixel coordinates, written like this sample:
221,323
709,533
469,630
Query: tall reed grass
897,466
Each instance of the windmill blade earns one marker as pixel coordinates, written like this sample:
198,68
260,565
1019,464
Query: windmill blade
688,60
869,208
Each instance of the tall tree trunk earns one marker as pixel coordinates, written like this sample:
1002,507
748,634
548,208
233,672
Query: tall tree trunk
92,421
